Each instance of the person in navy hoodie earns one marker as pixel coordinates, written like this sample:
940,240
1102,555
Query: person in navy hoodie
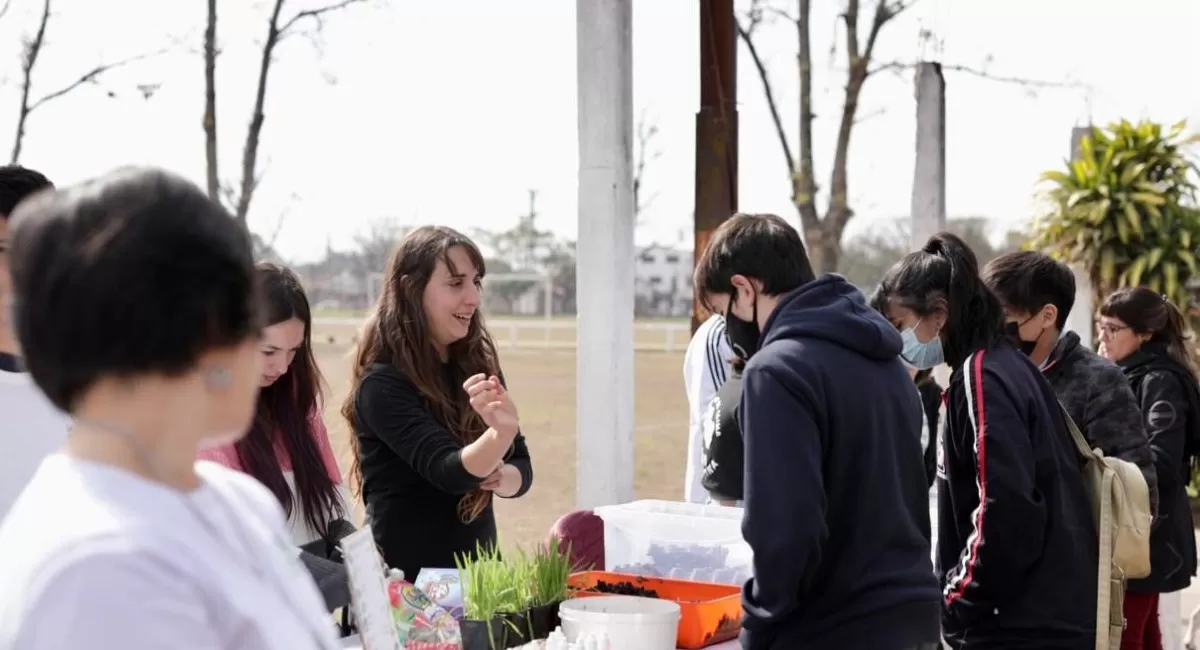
836,504
1017,548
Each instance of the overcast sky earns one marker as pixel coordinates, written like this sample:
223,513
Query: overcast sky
447,112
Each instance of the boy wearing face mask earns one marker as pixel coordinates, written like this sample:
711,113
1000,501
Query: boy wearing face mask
1037,293
836,502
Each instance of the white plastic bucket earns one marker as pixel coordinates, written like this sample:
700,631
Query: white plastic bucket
629,622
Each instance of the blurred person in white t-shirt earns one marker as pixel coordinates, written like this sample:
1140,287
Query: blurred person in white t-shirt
31,426
705,369
138,312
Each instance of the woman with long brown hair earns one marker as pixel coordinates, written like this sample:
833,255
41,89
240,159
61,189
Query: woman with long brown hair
436,434
287,448
1146,335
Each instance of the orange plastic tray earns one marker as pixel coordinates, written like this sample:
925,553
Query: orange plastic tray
709,613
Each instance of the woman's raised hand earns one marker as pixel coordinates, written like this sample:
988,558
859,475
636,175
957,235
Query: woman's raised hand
491,401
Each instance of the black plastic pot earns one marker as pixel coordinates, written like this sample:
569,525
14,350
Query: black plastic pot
543,619
517,624
484,635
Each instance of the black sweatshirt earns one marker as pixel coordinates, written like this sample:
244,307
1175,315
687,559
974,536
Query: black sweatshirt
837,507
1017,549
413,476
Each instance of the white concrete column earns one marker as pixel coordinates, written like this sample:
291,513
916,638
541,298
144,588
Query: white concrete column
1081,319
929,173
604,271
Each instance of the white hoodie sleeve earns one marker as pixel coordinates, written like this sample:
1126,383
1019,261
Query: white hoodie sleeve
705,368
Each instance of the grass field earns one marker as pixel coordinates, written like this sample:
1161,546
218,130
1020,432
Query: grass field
542,383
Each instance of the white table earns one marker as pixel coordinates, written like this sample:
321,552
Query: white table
352,643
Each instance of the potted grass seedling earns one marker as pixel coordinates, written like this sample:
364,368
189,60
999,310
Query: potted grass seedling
518,596
487,591
551,570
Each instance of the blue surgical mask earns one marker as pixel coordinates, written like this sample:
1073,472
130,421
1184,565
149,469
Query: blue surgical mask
921,356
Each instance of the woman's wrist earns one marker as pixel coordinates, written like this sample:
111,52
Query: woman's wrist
505,434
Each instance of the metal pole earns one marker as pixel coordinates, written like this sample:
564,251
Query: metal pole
716,128
604,362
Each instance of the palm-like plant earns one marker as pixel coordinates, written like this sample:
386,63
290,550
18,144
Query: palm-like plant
1126,210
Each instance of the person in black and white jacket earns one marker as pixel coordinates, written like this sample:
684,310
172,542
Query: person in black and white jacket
705,369
724,453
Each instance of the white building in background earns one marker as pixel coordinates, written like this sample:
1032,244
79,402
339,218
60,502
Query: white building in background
662,280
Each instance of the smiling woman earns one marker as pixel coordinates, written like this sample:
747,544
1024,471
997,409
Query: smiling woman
435,431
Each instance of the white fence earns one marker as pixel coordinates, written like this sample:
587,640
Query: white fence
648,336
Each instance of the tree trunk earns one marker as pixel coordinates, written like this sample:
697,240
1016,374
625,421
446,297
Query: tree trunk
211,164
824,248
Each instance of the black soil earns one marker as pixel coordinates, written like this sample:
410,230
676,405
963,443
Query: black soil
625,588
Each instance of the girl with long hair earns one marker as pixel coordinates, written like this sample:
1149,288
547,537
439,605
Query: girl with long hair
1146,335
287,448
436,434
1016,549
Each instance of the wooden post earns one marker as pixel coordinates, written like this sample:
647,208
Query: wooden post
716,129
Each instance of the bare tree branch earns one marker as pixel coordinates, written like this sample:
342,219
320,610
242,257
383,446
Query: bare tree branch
269,242
91,76
869,116
746,34
315,14
982,73
646,133
33,48
277,30
859,60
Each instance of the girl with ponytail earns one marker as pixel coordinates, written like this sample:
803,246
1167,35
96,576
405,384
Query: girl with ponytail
1016,549
1146,335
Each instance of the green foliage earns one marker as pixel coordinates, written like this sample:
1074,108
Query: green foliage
492,585
1126,209
550,568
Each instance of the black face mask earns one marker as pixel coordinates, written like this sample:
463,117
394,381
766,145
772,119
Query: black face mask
742,335
1013,330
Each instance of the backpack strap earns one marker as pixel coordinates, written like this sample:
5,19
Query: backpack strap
1109,592
1081,443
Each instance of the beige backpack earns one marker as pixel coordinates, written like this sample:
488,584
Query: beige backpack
1121,510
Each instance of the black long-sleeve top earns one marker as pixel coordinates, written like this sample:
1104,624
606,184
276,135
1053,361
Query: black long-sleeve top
413,476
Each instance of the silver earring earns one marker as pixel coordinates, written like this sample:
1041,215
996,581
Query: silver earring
219,378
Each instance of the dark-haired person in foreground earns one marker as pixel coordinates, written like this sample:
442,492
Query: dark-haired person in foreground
33,427
138,313
1037,293
837,509
1017,550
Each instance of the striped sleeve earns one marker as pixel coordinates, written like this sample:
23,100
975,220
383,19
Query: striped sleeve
705,368
717,353
1007,524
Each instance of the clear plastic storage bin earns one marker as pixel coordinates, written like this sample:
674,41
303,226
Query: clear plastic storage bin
676,540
